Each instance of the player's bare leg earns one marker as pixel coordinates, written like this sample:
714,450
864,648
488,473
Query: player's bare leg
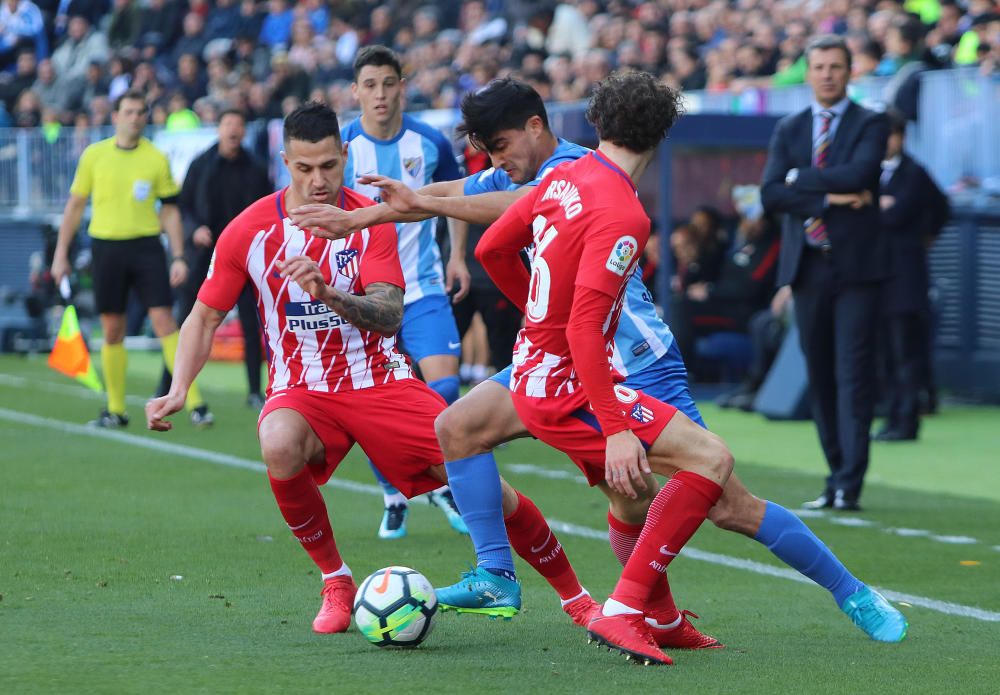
441,374
467,432
287,444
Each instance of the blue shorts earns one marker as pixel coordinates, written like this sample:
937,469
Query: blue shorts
665,380
429,328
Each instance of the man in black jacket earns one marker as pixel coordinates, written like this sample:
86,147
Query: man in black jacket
220,183
822,173
913,211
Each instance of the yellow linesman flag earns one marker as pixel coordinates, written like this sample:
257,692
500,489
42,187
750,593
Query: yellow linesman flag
70,356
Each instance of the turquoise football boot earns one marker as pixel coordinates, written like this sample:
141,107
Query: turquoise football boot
393,522
444,501
481,591
869,610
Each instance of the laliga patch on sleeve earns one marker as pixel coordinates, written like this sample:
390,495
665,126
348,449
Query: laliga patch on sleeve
622,254
211,266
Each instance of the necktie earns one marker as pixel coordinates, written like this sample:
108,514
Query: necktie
815,228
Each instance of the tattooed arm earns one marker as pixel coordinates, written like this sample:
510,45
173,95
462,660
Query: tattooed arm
379,310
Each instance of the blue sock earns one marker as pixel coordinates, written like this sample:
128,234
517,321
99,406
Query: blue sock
475,484
446,387
793,543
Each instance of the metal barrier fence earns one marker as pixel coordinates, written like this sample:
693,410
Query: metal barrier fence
958,136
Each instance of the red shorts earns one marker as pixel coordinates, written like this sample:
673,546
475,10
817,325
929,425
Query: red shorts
393,423
568,424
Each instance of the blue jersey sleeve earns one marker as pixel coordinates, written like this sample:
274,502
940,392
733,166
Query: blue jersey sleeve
488,181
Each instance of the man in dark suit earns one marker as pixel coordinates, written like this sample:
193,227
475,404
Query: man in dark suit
822,173
913,211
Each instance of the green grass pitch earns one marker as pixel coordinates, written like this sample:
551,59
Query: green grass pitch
95,532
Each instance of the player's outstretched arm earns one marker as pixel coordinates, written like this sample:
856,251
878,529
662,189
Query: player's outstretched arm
193,349
442,198
379,310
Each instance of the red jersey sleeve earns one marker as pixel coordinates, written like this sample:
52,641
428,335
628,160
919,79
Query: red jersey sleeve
610,253
585,336
499,249
381,260
227,271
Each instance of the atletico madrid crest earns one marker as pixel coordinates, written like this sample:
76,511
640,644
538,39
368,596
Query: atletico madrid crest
347,263
641,413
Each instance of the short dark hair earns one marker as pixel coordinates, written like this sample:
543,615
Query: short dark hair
377,56
233,112
502,104
826,42
130,95
634,110
311,122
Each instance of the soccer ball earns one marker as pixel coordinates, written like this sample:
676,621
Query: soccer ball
395,607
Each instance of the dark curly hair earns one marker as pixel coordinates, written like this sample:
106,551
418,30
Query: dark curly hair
633,110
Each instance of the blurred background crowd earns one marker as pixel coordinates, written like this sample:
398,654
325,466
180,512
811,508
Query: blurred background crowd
62,62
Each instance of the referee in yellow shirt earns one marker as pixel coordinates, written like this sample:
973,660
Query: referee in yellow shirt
126,175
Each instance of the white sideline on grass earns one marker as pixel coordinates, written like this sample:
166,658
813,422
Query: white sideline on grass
570,529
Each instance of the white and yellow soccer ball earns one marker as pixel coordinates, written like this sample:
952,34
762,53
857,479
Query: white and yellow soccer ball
395,607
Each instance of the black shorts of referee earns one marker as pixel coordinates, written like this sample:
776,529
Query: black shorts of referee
121,265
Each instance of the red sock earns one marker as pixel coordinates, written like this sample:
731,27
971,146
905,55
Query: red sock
675,514
623,537
534,541
302,505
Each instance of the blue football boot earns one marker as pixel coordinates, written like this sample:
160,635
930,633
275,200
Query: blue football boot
869,610
481,591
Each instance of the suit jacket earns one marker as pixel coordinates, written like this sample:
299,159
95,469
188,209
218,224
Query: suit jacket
859,249
215,190
914,218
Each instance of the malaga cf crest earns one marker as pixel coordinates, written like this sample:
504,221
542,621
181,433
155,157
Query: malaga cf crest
347,262
413,165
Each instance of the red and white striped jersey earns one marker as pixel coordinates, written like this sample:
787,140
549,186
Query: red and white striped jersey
308,344
588,228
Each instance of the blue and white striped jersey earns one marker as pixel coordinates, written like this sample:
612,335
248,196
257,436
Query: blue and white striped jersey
418,155
642,337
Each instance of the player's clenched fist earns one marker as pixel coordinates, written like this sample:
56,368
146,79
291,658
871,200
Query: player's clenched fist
305,272
159,409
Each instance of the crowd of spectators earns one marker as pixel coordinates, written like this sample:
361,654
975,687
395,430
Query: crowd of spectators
64,61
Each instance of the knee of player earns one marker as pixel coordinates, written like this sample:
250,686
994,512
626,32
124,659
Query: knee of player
717,458
282,456
452,433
